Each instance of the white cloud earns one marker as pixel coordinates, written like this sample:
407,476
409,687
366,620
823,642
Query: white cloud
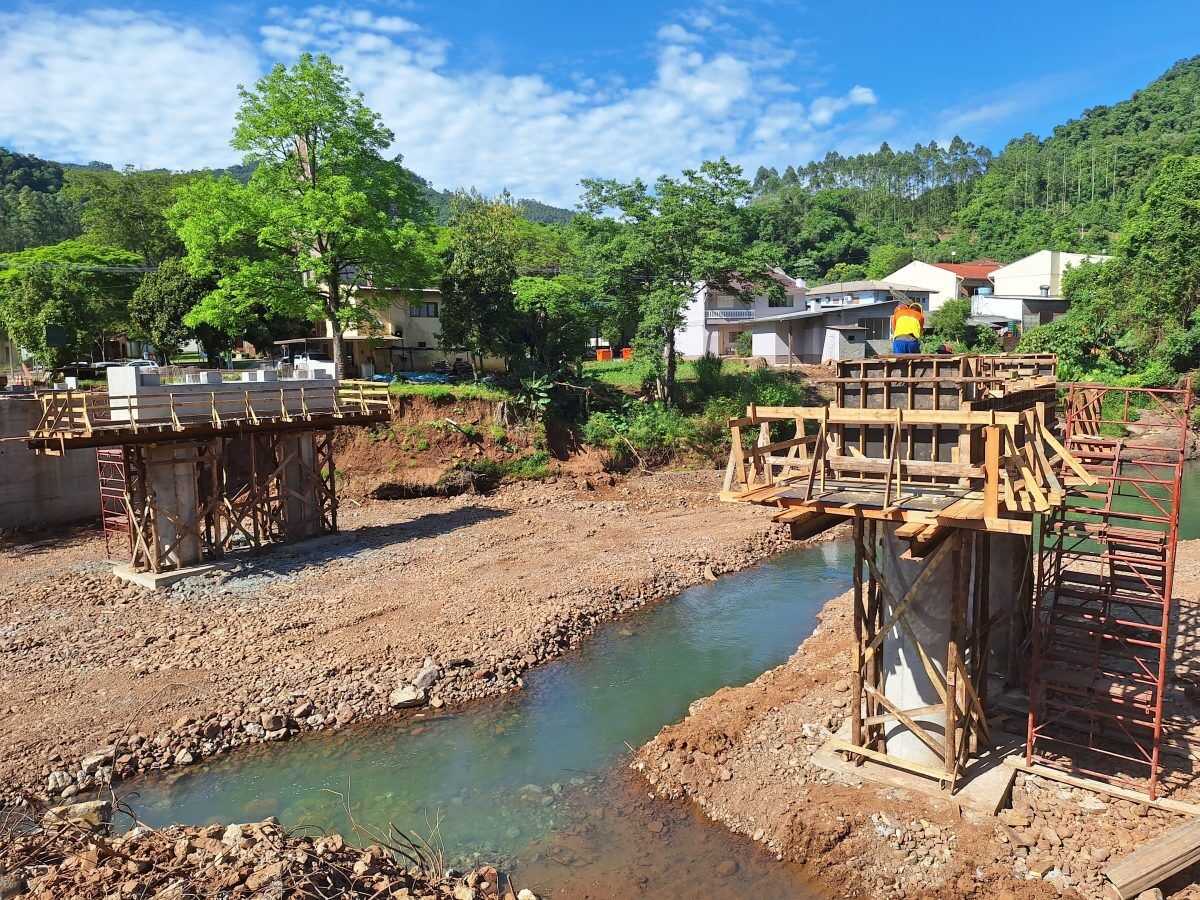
120,86
132,87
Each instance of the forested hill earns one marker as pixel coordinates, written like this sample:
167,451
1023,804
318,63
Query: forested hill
33,212
1071,190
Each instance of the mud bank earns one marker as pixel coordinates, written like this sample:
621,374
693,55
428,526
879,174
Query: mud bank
744,756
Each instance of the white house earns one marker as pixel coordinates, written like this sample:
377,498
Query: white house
799,328
1039,274
714,319
946,281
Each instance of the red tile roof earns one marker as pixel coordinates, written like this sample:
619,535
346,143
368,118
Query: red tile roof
979,268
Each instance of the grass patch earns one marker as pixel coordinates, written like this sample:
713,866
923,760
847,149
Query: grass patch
450,392
529,467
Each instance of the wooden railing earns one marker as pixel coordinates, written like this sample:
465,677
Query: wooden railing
89,412
1009,460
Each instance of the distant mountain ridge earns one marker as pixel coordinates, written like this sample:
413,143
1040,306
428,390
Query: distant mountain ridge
33,213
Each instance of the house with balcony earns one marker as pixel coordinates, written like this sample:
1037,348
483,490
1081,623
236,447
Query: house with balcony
947,281
715,319
403,335
809,325
836,321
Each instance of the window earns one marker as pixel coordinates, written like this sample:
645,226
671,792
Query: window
777,303
874,328
427,310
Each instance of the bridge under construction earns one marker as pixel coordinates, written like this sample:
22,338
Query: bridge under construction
1014,554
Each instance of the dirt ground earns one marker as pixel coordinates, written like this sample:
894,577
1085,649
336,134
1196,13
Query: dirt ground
439,599
743,755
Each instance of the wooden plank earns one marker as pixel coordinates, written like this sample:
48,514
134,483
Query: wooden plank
1103,787
845,746
991,464
790,514
910,466
839,416
910,530
1156,860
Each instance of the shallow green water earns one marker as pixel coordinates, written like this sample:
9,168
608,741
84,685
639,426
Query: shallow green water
537,781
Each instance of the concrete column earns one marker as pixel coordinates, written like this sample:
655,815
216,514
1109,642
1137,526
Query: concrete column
905,681
302,510
171,470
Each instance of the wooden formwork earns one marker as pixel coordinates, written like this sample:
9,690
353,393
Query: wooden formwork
938,440
957,672
240,492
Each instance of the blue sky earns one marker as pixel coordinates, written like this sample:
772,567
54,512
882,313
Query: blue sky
533,96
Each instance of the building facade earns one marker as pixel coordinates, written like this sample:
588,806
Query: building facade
947,281
796,328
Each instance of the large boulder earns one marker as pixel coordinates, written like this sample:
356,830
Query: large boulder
407,697
92,815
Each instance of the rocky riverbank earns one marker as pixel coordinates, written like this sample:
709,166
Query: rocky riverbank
72,851
432,601
744,756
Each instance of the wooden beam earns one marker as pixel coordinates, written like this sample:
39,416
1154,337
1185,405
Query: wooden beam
836,743
812,526
1156,860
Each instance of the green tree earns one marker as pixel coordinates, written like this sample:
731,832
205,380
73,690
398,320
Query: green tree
162,301
668,241
886,259
127,209
61,302
1159,254
556,317
322,213
845,272
481,253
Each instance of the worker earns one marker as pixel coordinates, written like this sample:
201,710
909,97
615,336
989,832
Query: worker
907,323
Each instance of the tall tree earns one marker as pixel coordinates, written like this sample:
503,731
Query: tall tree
162,301
127,209
481,252
323,213
668,242
62,302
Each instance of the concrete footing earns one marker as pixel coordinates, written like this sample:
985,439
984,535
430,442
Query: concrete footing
156,580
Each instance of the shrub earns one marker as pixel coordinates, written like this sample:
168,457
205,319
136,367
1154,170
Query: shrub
744,345
653,433
708,375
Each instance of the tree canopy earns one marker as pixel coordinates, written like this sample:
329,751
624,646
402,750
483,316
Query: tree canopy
665,242
322,214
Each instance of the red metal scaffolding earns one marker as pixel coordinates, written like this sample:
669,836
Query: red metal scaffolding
1106,561
112,468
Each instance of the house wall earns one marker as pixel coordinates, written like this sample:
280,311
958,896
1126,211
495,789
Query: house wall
1046,267
941,284
42,490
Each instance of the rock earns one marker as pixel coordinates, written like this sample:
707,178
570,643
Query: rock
271,722
1152,894
184,757
233,834
427,677
526,894
314,720
407,697
462,892
303,711
91,814
94,761
264,876
1051,837
254,730
1099,854
841,685
1040,867
727,867
345,714
1014,819
12,886
656,826
57,781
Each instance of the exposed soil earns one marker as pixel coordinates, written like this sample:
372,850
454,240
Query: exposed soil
743,755
433,601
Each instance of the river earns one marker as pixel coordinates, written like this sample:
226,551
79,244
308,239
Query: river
538,782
